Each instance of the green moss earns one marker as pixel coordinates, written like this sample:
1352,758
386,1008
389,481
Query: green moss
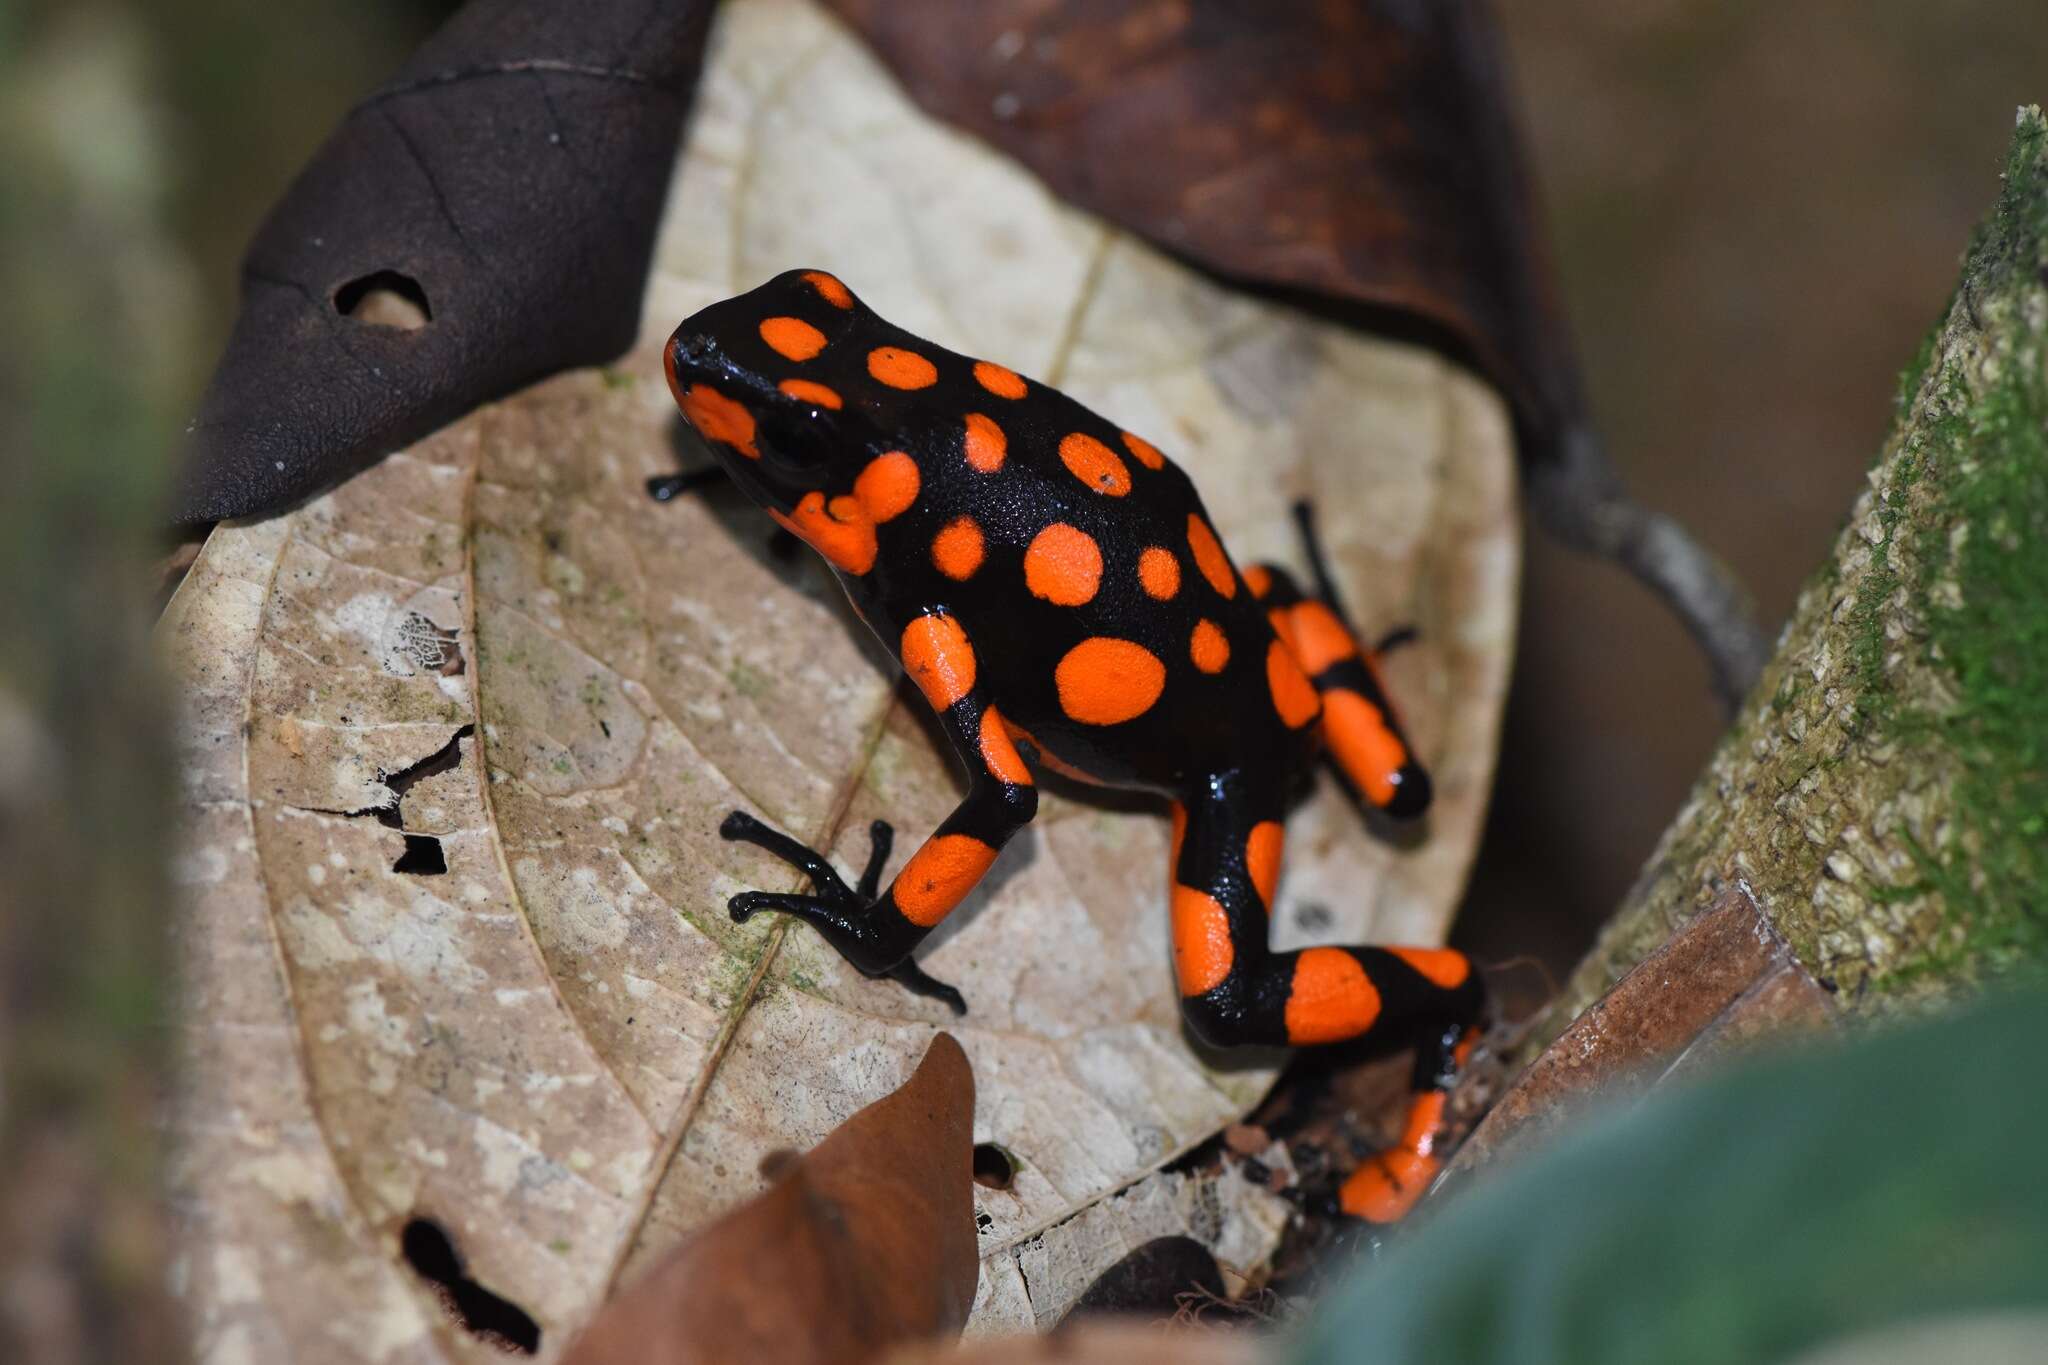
1977,583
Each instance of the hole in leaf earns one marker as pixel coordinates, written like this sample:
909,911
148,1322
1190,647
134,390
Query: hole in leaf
993,1168
385,298
422,856
497,1321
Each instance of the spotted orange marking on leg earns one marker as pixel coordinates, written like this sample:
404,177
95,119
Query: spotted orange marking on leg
1331,998
792,338
1201,941
1180,834
1259,579
809,391
840,530
901,369
1159,572
1094,464
999,752
829,288
1385,1189
718,418
957,549
888,486
986,444
938,658
1445,967
1262,858
1320,638
1104,680
1294,697
1368,751
997,380
1425,1121
1208,646
939,875
1147,453
1063,565
1283,626
1209,556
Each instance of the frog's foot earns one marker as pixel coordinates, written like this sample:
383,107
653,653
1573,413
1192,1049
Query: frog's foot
846,915
1387,1186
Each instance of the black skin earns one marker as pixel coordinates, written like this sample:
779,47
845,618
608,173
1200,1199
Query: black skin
1213,742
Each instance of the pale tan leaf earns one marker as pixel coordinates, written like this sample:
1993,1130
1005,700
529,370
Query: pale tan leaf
562,1050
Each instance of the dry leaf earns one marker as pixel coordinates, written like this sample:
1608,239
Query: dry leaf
560,1049
864,1243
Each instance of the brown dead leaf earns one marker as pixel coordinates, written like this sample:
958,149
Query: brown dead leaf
866,1243
559,1048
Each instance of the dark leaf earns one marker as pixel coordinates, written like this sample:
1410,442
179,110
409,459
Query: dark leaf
1150,1280
1361,153
482,220
865,1243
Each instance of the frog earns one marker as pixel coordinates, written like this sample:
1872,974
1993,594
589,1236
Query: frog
1057,592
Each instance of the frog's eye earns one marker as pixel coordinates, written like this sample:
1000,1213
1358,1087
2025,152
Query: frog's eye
803,434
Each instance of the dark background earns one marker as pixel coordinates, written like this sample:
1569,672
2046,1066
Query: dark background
1757,211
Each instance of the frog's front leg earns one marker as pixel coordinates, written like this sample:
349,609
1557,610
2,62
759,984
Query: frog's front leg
878,934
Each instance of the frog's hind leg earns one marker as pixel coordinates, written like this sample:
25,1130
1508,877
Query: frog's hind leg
1359,726
1236,990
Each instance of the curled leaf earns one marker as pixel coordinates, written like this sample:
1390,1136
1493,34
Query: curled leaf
864,1243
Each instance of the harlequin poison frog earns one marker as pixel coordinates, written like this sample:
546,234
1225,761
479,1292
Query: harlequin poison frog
1054,586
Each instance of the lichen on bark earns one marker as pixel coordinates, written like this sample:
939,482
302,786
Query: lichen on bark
1883,793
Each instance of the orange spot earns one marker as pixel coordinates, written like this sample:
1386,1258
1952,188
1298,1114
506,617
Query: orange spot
1180,834
792,338
1319,638
1293,695
1102,680
1159,572
1262,858
718,418
829,288
986,444
1445,967
1147,453
999,752
1331,998
957,549
1365,748
1094,464
938,875
938,658
1259,579
1283,626
901,369
1209,556
888,486
1386,1188
1201,941
1425,1122
1208,646
997,380
805,391
1063,565
842,531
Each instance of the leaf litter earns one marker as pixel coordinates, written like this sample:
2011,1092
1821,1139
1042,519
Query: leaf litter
560,1049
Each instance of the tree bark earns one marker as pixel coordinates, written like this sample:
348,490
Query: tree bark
1883,793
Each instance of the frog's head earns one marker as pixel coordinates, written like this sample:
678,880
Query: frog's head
783,383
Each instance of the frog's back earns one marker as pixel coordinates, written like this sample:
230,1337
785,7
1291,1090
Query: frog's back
1106,619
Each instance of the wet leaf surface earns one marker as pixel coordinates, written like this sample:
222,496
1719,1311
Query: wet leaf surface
559,1049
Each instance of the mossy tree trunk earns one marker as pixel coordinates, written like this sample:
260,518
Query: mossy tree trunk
1883,794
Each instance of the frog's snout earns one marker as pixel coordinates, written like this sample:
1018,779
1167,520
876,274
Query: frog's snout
697,351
